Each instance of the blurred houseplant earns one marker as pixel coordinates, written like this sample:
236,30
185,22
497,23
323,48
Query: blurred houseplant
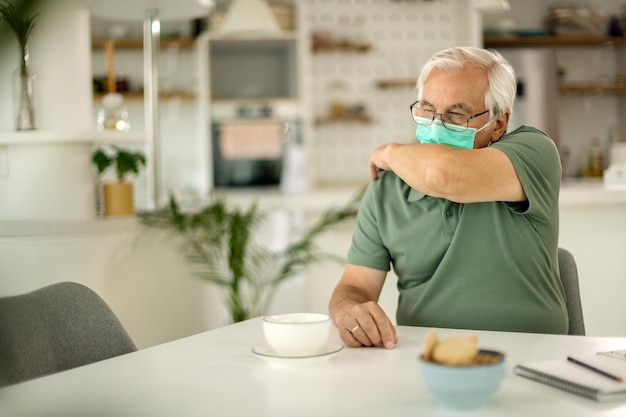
118,196
219,242
24,83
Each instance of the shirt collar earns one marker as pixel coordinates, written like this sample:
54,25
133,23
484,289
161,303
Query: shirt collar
415,195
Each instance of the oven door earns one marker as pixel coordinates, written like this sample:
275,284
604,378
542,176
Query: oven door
247,152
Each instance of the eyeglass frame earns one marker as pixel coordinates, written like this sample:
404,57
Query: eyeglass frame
441,117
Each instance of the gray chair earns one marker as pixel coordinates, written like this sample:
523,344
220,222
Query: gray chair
55,328
569,278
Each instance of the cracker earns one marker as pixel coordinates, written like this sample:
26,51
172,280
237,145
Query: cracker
456,350
429,345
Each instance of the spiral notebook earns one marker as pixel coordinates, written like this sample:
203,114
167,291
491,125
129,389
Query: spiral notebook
578,380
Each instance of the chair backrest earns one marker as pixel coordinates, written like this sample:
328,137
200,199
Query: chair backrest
569,278
55,328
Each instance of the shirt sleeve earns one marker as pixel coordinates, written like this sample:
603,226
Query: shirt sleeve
536,161
367,248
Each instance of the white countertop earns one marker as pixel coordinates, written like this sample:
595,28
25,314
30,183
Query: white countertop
58,137
577,192
216,374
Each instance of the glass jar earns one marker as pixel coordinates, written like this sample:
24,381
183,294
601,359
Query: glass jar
24,94
113,114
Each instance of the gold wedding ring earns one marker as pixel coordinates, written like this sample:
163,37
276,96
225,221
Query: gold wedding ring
355,328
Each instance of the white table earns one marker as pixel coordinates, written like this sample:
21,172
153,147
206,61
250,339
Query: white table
216,374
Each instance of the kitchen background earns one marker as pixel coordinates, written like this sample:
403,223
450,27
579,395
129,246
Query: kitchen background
352,65
370,80
382,41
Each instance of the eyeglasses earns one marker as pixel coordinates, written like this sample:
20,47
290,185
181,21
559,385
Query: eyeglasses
456,122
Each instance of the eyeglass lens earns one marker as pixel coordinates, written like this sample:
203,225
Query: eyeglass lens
451,121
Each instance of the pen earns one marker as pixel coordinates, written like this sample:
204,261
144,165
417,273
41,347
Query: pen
596,370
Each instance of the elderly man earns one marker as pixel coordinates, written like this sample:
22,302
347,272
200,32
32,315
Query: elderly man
467,215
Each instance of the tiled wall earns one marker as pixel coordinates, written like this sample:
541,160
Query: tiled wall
402,35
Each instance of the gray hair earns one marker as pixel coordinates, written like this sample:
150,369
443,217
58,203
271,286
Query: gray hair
502,87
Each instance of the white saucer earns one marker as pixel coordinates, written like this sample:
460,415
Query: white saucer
327,350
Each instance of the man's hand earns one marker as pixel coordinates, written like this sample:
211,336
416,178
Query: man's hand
359,318
365,324
378,160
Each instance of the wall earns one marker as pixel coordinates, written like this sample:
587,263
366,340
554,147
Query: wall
402,35
139,272
594,233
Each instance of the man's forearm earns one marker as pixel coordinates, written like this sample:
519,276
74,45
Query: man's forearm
345,297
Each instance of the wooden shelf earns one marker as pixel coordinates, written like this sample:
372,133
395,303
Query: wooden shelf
285,36
255,101
551,41
397,83
591,88
344,119
138,43
565,88
342,47
138,95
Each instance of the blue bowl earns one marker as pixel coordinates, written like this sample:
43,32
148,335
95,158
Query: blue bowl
464,387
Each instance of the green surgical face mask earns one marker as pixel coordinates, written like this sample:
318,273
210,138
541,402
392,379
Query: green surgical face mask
437,133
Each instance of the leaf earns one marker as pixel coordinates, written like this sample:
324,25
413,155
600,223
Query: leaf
125,161
19,24
102,161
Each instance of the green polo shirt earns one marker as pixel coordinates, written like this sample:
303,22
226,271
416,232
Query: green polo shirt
489,266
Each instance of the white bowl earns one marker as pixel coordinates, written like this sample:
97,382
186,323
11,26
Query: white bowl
296,333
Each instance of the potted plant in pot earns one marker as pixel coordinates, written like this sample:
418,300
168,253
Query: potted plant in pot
118,196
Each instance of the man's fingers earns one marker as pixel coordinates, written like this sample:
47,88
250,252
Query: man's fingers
386,331
366,324
376,327
374,170
360,334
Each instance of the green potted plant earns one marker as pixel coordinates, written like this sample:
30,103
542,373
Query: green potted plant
219,241
118,196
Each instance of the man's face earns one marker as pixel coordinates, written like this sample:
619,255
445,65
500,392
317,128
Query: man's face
463,92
